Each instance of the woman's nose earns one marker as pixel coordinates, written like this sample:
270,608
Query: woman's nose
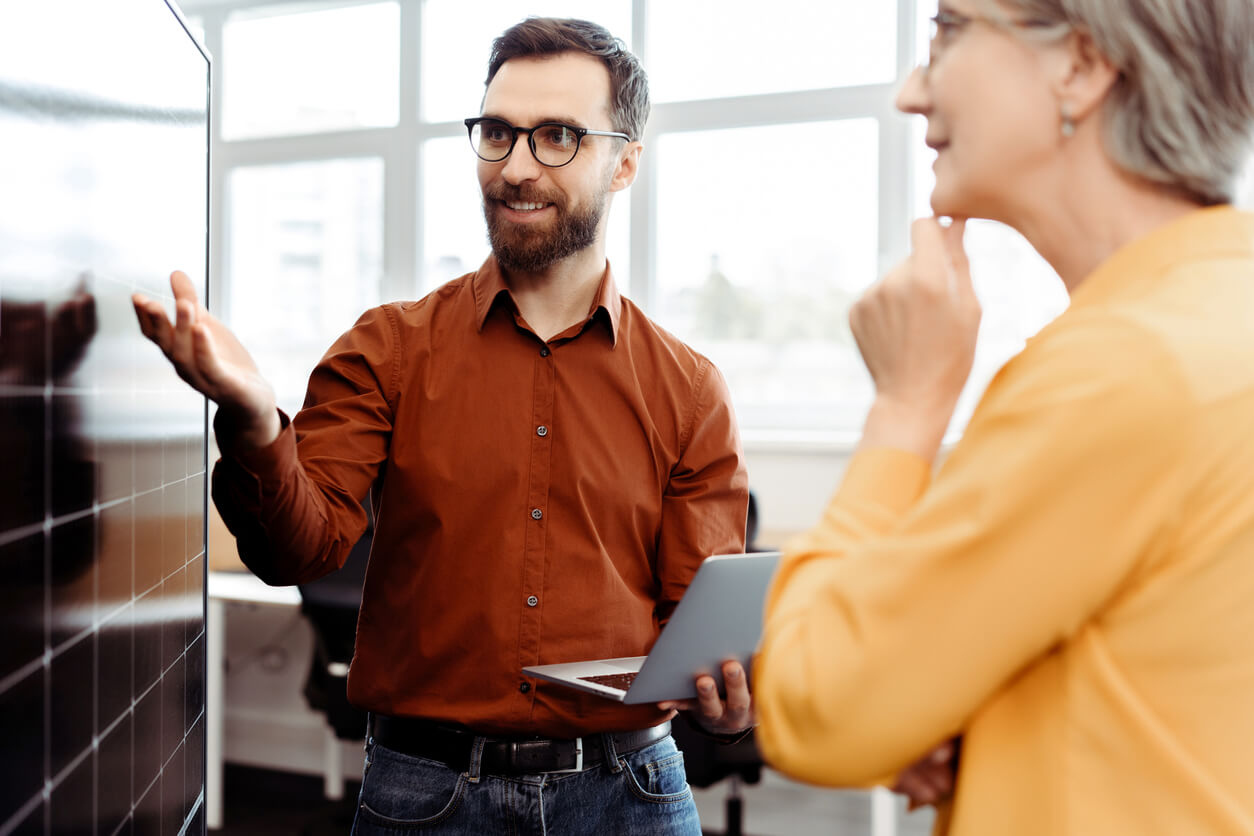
912,97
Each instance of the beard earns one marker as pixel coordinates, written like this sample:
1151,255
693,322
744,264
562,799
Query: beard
534,248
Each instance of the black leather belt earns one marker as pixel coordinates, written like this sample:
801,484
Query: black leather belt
503,756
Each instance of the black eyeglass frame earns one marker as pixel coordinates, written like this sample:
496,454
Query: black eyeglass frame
579,133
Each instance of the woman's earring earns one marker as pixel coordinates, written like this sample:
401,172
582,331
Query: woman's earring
1068,124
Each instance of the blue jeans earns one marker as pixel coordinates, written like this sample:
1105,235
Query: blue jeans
645,791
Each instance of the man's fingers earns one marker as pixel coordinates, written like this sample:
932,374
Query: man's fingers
738,698
707,697
183,288
205,353
184,315
181,345
153,322
732,712
177,340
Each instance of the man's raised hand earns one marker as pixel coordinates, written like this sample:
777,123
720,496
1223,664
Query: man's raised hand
208,356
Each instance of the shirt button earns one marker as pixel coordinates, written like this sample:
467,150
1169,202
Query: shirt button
536,513
532,600
542,431
525,687
544,352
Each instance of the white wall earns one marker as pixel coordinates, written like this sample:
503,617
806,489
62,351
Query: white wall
792,481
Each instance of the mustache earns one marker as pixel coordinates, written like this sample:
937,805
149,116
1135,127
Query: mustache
525,193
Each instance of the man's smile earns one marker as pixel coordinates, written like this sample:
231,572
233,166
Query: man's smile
524,207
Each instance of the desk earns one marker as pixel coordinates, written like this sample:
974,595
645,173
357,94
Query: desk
223,588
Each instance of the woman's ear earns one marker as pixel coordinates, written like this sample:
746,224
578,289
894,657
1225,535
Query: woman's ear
1084,76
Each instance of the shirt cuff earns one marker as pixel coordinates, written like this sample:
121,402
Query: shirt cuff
264,464
726,738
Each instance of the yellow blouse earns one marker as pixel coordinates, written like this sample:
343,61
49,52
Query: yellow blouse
1073,592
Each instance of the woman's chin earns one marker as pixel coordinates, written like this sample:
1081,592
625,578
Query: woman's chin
951,204
945,204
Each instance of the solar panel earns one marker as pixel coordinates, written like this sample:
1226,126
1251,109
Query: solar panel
104,119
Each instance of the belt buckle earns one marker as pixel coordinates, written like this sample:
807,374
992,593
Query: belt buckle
578,760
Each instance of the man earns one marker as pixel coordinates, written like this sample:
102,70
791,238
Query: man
547,467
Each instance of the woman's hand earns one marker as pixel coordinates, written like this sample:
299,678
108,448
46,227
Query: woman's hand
916,329
930,779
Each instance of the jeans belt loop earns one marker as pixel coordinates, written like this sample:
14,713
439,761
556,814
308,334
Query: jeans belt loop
476,759
610,753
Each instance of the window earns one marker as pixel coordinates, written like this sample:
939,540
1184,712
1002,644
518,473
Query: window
749,269
705,49
457,37
778,182
1245,190
305,244
331,69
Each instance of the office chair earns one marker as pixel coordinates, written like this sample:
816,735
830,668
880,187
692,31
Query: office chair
709,761
331,604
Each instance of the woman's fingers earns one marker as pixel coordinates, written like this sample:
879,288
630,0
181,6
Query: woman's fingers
930,779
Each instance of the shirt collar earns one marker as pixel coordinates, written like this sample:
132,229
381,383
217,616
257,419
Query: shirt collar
489,285
1215,231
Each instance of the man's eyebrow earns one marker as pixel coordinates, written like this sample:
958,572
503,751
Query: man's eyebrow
565,120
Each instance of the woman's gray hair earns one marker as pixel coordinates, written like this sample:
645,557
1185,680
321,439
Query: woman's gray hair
1182,111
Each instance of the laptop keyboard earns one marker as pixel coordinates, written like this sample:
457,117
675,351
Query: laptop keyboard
613,680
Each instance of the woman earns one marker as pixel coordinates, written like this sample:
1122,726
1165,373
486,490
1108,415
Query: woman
1071,597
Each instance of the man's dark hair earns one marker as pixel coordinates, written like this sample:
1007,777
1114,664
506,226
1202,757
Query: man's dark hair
540,36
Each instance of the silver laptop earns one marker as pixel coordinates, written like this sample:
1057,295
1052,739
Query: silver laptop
718,618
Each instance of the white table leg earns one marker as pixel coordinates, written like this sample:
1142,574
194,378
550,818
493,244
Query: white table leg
883,812
215,691
333,768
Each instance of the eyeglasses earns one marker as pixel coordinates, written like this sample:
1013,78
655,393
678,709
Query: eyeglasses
948,25
553,144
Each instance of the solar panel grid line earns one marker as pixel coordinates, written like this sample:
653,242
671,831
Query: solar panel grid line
20,818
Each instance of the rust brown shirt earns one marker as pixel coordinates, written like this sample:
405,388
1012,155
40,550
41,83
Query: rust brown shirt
536,502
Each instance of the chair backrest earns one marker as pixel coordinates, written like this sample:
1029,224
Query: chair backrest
751,526
332,604
342,588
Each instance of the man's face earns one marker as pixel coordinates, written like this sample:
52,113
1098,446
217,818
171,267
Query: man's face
538,215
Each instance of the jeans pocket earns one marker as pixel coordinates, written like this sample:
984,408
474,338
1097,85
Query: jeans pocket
657,776
400,793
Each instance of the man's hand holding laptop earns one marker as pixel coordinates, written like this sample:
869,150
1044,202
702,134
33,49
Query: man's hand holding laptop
729,716
711,636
